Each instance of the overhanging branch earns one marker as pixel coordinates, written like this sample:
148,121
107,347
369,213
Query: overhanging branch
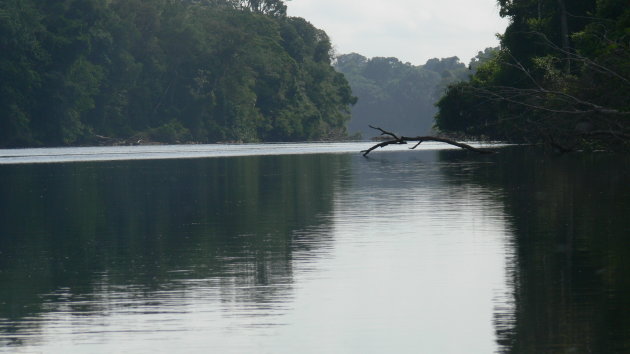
419,139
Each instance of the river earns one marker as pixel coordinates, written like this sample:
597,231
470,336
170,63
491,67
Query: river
312,248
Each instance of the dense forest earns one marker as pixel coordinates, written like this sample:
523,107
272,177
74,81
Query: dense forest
561,76
78,72
109,71
396,95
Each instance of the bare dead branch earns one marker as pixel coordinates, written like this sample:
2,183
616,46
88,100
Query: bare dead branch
420,139
574,56
384,132
520,67
613,133
517,96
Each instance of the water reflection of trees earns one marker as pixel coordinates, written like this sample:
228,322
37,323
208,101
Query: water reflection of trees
570,270
78,231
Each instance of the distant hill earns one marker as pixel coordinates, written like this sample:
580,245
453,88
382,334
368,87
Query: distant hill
394,95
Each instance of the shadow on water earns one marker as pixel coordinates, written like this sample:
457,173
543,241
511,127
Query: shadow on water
569,267
71,231
140,231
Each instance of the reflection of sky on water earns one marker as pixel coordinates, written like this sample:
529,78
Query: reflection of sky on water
410,258
416,265
156,152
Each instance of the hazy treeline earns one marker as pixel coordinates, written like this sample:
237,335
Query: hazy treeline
81,71
562,76
394,95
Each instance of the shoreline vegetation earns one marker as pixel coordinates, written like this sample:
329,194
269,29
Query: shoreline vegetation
80,72
145,72
561,77
140,140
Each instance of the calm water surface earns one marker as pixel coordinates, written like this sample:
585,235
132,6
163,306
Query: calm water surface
314,249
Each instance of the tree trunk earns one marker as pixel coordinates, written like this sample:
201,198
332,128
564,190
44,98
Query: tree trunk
564,32
419,140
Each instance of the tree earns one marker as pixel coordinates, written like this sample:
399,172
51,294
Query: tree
269,7
567,87
93,71
22,58
397,95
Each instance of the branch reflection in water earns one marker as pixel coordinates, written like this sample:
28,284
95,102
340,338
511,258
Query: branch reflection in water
313,253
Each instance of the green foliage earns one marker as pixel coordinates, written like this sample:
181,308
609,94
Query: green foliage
562,76
171,132
396,95
487,55
195,70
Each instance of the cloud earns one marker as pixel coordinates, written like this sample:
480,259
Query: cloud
410,30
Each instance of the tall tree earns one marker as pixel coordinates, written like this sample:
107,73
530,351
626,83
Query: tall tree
562,76
396,95
88,71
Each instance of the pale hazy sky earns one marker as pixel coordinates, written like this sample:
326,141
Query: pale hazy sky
410,30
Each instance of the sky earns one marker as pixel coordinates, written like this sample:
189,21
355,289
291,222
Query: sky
410,30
